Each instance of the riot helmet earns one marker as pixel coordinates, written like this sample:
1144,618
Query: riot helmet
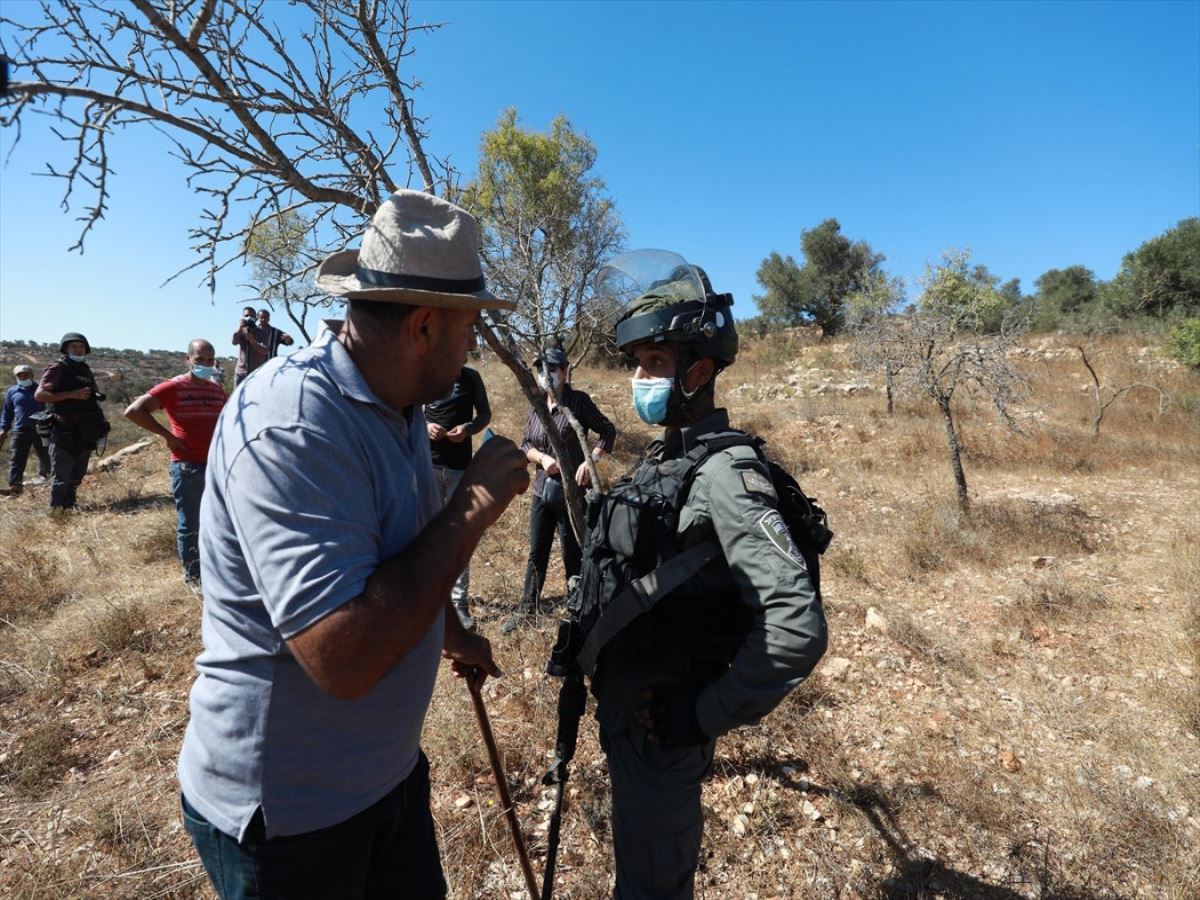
659,296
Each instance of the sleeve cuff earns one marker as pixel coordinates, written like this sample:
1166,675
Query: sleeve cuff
711,715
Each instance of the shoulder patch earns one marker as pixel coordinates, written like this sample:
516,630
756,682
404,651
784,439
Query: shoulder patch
757,483
777,533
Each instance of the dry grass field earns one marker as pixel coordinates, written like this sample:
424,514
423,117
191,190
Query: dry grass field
1010,705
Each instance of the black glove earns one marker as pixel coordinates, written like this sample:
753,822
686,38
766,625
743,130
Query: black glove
669,715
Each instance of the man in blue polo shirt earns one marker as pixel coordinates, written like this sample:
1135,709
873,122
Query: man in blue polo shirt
15,419
328,561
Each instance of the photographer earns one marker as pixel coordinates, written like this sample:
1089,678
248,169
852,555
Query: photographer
272,336
251,341
79,423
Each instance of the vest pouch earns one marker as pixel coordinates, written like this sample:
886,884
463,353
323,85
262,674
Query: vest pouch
92,427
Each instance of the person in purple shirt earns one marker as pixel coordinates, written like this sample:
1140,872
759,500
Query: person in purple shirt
19,406
548,511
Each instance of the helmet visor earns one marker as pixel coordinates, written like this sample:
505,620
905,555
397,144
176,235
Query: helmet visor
643,281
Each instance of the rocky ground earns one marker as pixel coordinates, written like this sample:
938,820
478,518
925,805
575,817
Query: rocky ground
1010,705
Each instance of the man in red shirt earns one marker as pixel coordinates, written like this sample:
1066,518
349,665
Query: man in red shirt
192,402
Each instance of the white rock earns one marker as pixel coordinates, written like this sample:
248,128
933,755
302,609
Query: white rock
739,825
811,811
836,667
875,619
1144,782
463,801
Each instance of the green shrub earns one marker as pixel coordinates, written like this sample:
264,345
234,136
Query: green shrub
1184,342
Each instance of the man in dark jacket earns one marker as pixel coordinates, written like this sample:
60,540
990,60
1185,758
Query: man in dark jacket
79,423
19,406
451,421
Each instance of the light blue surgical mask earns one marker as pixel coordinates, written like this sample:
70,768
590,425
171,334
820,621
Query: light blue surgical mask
650,398
204,371
75,357
25,382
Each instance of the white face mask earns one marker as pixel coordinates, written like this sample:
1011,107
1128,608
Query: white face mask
556,381
25,382
75,357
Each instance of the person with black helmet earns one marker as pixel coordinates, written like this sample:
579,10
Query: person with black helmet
79,423
16,419
548,510
700,612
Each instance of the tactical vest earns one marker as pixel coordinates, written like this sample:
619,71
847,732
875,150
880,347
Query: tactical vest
84,416
642,596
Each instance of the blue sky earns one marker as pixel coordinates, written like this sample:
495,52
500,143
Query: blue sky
1038,135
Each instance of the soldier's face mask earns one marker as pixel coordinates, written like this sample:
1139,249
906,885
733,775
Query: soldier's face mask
651,397
77,357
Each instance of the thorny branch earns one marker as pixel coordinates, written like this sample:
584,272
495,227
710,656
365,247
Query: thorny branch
260,120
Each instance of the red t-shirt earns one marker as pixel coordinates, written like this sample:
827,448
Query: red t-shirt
192,406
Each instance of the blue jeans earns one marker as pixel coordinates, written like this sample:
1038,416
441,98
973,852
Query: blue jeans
187,484
23,440
387,850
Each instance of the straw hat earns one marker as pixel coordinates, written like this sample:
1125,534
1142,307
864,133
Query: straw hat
418,249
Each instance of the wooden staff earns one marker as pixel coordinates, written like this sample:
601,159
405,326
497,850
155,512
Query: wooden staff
474,684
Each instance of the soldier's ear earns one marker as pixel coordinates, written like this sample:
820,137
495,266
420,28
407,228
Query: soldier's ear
701,373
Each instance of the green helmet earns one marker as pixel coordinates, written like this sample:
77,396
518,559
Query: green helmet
672,301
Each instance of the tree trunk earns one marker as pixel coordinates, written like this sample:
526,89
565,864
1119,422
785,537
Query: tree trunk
889,385
960,479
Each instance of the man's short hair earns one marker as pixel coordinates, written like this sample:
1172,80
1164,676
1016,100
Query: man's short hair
264,312
196,341
248,309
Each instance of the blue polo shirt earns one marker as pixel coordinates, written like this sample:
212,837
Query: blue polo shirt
312,483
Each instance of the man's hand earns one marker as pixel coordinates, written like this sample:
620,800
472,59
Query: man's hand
583,475
436,431
3,437
550,464
176,444
669,715
457,434
496,474
469,652
80,394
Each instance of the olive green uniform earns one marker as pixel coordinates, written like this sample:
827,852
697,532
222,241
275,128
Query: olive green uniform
759,597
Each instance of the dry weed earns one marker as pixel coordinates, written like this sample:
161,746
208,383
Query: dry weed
121,626
44,756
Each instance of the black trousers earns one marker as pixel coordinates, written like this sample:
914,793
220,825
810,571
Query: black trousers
543,522
69,455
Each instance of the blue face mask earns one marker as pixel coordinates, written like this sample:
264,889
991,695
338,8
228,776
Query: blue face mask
204,371
25,382
75,357
650,398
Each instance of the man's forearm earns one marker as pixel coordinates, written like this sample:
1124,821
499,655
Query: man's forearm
145,420
348,651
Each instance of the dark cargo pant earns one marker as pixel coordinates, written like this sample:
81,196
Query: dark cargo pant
69,461
657,819
23,440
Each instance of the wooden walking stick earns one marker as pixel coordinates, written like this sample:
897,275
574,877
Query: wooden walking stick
474,684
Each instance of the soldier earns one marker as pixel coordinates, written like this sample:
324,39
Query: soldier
738,621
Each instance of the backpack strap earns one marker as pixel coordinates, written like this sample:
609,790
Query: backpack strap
641,596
